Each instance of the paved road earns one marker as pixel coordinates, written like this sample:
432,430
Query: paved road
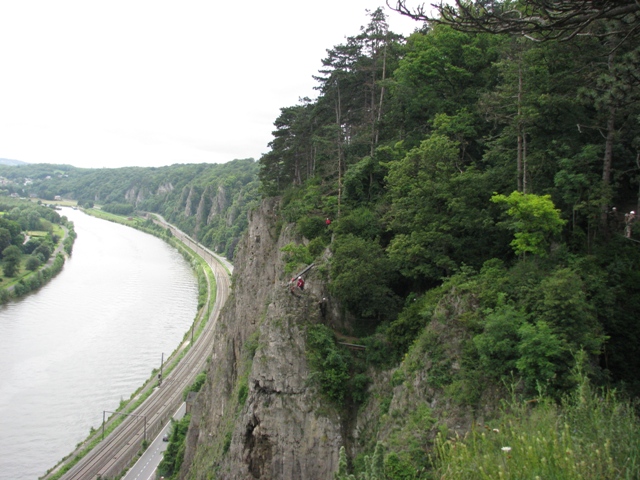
116,452
145,467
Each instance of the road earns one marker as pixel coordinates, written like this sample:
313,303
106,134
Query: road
117,451
145,467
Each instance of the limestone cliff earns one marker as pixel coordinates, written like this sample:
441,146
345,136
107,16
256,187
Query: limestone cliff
257,415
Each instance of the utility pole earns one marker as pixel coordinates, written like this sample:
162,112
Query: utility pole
160,374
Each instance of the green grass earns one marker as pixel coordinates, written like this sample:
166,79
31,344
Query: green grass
590,435
130,220
62,203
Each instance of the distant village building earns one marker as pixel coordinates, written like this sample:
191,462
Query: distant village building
57,197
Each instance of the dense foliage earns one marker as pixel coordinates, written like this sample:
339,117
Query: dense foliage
29,234
453,155
482,190
208,201
173,456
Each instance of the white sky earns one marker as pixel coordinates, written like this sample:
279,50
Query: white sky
115,83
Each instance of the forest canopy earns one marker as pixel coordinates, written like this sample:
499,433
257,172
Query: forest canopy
474,161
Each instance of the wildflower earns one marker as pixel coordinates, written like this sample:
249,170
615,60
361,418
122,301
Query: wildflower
496,430
506,449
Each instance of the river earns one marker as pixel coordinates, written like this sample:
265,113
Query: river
87,340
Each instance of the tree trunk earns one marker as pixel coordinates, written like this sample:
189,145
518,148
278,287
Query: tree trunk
524,161
520,128
638,200
607,161
339,143
377,121
608,147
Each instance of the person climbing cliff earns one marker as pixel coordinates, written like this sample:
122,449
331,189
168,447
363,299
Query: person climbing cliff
323,306
300,283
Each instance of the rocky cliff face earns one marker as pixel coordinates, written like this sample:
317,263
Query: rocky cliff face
258,416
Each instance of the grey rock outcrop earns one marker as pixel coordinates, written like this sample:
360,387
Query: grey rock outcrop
165,188
258,416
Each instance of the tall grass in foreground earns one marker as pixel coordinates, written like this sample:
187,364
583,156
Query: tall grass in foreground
590,435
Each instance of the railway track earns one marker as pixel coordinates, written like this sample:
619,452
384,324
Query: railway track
112,455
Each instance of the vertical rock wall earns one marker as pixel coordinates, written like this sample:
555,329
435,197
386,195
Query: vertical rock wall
258,416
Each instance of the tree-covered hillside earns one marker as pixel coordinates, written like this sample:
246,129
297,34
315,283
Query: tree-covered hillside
208,201
484,167
482,179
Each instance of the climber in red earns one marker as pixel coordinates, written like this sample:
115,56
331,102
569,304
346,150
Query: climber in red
300,283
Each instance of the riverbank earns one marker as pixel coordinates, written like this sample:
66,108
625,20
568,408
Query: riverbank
28,279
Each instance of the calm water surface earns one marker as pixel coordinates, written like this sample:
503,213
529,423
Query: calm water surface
86,340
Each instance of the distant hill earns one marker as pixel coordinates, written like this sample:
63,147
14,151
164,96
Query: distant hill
8,161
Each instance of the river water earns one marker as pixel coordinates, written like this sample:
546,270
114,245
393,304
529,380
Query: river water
87,340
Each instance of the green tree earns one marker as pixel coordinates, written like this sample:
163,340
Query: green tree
561,301
174,454
497,345
13,226
5,238
439,214
442,72
419,212
32,263
540,351
361,221
362,276
11,260
292,157
45,249
329,363
534,219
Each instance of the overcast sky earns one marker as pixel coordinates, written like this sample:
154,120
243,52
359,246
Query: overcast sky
117,83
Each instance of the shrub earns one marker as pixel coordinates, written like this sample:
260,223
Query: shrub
295,255
174,454
329,363
311,227
316,246
497,345
243,393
